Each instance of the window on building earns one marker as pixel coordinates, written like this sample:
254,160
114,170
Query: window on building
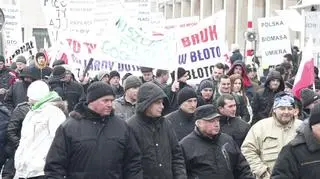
41,35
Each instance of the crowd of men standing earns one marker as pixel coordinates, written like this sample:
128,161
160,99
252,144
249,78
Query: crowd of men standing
231,125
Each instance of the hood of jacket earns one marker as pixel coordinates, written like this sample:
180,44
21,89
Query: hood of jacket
50,97
149,93
245,78
305,135
275,75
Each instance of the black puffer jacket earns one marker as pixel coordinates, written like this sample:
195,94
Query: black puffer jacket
300,159
235,127
161,154
17,94
72,92
15,125
219,157
90,146
183,123
263,100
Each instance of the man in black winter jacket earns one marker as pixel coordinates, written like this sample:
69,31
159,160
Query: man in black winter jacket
300,159
229,122
68,90
18,91
263,99
93,143
13,137
182,119
161,154
209,153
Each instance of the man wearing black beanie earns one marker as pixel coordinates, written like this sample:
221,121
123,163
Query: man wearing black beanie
93,140
182,119
300,158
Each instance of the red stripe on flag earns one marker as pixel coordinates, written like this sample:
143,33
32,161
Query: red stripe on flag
306,79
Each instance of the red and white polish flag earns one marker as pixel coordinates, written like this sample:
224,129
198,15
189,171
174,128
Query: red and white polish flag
305,74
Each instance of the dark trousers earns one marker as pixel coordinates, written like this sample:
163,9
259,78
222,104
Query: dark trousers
8,170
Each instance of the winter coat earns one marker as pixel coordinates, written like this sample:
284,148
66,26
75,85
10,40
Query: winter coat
123,109
236,56
88,146
17,94
72,92
161,154
37,133
15,125
183,123
264,142
234,127
119,91
263,100
300,159
7,78
219,157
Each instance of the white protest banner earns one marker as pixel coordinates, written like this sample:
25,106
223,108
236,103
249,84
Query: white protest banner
274,40
77,53
56,17
28,49
200,47
129,44
12,28
312,30
80,15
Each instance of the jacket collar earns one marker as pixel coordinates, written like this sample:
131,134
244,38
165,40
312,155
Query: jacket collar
197,132
187,116
122,100
312,143
148,120
285,127
225,119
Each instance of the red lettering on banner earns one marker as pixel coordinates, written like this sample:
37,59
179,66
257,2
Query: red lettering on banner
90,46
209,33
76,46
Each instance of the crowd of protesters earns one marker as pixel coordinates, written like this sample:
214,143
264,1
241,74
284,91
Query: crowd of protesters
234,125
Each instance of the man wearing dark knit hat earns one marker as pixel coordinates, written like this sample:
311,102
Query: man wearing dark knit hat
114,81
21,62
182,119
300,158
309,99
147,74
206,92
124,107
93,140
71,91
176,85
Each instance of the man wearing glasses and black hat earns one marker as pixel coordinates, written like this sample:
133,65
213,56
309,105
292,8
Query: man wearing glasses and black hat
209,153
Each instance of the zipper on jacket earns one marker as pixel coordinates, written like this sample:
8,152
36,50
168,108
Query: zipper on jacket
312,162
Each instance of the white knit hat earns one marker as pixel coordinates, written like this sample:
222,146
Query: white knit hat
37,90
